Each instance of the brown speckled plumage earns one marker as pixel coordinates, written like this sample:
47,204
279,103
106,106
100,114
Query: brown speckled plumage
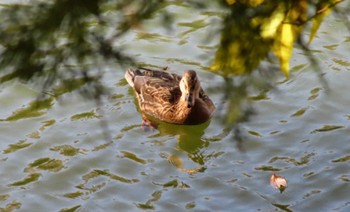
170,97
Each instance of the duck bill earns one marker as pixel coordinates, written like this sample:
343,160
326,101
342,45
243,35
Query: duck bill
190,100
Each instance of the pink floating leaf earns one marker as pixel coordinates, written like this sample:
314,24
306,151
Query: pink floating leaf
278,182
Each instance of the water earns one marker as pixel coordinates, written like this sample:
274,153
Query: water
57,157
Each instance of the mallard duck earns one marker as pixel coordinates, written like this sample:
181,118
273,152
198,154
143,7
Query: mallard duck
170,97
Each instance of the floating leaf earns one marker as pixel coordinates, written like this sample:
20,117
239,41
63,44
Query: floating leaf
278,182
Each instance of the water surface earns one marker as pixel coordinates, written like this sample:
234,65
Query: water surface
56,153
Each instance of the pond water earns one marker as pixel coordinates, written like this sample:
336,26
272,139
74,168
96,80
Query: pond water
58,156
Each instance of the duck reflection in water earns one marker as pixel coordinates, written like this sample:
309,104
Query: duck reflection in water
189,139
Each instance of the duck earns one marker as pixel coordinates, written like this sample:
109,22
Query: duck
169,97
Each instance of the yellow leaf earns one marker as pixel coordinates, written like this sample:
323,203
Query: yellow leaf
287,33
322,11
230,2
270,26
284,46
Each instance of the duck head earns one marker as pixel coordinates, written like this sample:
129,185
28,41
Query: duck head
190,87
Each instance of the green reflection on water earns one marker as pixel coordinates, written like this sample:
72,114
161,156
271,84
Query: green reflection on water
342,159
4,197
47,123
153,36
133,157
327,128
341,62
74,195
12,206
47,164
66,150
303,160
29,179
17,146
72,209
300,112
149,204
96,173
84,116
268,168
34,109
